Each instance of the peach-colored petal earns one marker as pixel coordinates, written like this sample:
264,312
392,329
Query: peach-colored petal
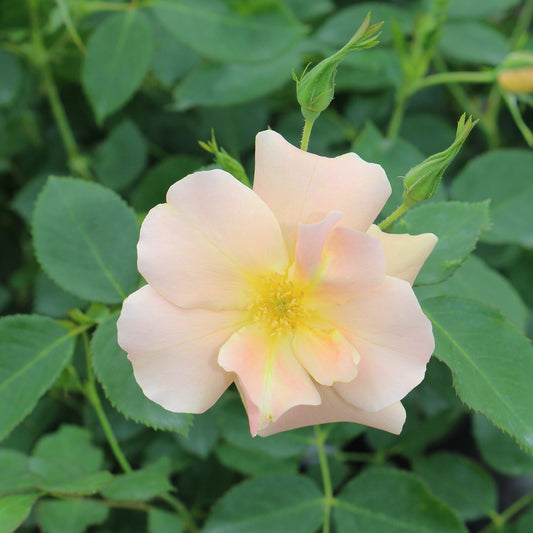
405,253
310,245
174,351
354,262
326,355
334,409
303,188
394,339
198,249
268,372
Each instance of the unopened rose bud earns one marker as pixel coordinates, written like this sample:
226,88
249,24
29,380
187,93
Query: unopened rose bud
516,72
316,88
422,181
225,161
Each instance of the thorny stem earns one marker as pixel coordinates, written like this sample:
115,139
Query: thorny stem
320,439
397,213
308,126
75,159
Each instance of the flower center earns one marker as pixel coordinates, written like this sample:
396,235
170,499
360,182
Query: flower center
278,304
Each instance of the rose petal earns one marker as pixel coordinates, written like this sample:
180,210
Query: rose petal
354,262
326,355
268,372
334,409
405,253
303,188
310,245
174,351
199,249
394,339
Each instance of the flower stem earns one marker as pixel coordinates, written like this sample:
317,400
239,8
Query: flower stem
510,100
320,440
92,395
397,213
308,126
76,162
453,77
398,113
499,520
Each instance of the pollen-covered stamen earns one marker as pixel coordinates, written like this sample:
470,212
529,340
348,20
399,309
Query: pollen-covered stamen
277,303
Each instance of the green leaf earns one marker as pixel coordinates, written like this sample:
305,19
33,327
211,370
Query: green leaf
416,125
23,202
138,486
164,522
373,69
14,510
221,31
269,504
223,84
15,476
306,10
85,237
462,9
118,56
474,279
504,176
116,376
171,59
460,482
473,42
33,352
253,462
233,424
153,188
70,516
51,300
457,225
11,77
120,159
202,436
492,363
338,29
387,501
57,466
499,450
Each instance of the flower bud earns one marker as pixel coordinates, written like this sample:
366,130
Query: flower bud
422,181
316,88
225,161
516,72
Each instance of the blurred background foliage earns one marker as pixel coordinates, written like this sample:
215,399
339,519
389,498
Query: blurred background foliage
120,93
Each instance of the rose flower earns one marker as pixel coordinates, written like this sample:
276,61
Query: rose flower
288,290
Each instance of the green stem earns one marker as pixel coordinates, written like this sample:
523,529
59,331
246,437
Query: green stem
453,77
510,100
76,161
92,395
397,213
499,520
320,440
398,113
308,126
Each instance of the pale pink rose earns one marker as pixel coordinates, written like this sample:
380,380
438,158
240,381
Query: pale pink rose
287,290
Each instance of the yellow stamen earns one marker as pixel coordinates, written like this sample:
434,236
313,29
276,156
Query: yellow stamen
277,304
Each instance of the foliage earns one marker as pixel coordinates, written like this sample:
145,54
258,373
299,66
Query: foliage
102,105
